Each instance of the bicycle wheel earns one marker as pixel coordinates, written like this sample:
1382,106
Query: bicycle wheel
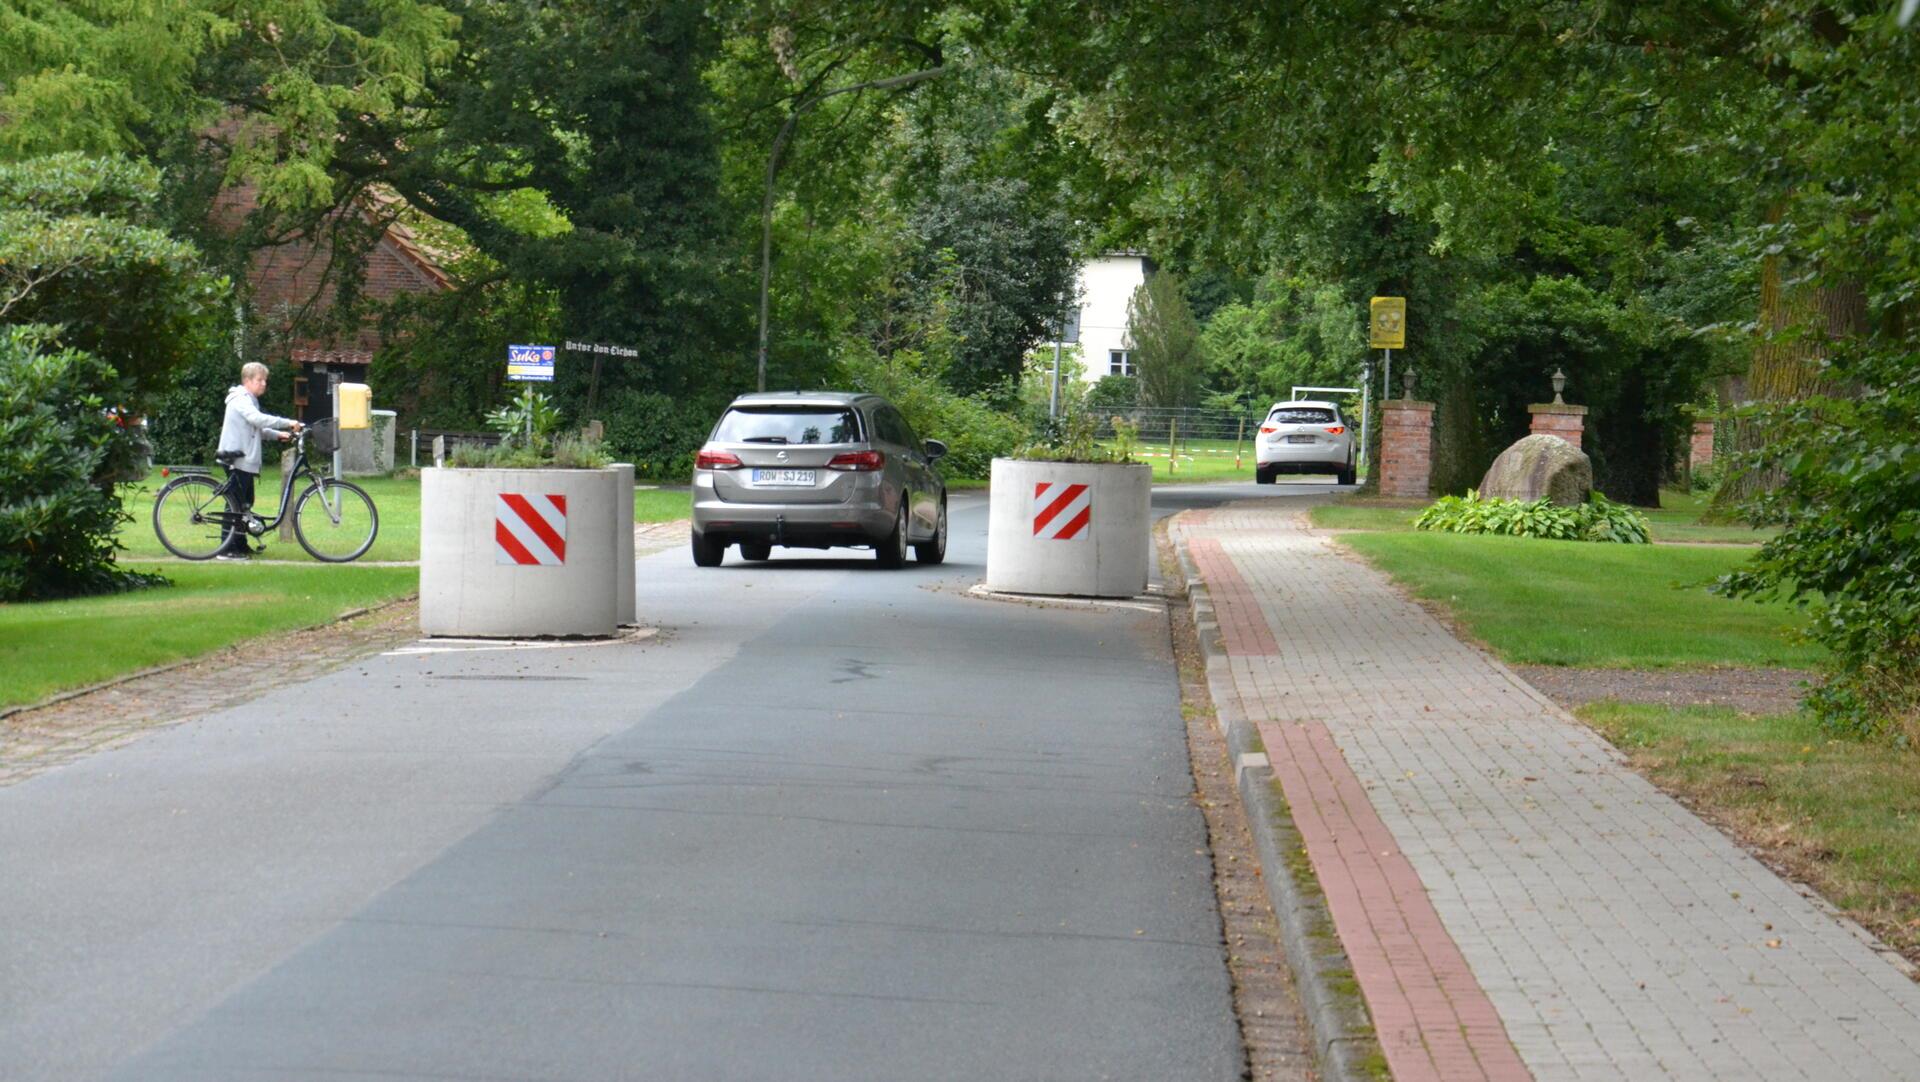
336,521
189,516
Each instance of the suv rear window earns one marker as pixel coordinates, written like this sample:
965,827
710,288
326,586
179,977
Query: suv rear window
1297,415
788,424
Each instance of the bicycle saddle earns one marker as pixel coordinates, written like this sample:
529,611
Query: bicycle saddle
227,458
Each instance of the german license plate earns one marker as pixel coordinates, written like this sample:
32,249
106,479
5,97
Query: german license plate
1299,439
792,478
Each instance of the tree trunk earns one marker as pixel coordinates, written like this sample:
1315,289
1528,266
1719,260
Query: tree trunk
1797,321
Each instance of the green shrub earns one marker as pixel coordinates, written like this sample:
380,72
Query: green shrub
58,447
1114,394
1704,479
1849,545
1599,519
565,453
83,248
973,430
184,422
657,433
1072,438
528,420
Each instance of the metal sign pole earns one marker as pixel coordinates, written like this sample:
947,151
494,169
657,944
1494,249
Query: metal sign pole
333,393
1053,396
1366,410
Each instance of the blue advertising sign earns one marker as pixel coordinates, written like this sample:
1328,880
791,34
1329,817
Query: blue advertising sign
530,363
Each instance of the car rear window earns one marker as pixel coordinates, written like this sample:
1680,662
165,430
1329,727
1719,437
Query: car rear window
1302,415
788,424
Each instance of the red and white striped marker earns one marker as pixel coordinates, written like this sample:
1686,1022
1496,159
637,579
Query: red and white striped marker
529,529
1061,511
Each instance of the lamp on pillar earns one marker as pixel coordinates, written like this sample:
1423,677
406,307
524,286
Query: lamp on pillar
1559,384
1406,383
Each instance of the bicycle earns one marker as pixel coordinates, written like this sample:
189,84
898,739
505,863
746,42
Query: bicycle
334,520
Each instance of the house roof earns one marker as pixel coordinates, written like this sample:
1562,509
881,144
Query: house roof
330,356
408,243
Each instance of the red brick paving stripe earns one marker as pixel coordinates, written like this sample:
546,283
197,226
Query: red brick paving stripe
1242,624
1435,1022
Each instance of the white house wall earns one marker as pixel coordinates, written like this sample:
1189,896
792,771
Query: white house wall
1106,285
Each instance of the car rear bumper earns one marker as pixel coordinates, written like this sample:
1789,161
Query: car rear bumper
1291,456
805,525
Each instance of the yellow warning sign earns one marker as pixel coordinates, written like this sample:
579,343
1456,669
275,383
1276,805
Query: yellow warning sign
1388,327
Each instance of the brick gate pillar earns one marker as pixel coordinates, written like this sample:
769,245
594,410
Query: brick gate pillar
1406,448
1559,419
1702,445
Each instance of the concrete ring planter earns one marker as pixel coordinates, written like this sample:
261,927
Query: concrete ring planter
513,553
1069,529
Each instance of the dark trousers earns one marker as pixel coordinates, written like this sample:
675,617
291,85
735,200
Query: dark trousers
239,501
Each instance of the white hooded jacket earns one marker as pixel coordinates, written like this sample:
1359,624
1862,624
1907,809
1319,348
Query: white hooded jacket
244,423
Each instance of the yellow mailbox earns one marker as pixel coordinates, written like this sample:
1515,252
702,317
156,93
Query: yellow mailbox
354,404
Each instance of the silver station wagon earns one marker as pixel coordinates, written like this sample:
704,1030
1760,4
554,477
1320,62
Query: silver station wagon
815,469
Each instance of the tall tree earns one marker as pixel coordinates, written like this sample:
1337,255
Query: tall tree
1166,342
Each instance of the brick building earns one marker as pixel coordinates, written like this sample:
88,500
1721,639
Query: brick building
292,286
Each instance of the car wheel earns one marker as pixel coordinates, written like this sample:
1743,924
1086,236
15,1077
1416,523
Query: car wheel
707,553
756,550
1262,477
934,551
892,550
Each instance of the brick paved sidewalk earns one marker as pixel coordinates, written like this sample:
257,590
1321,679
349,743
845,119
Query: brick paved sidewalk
1516,902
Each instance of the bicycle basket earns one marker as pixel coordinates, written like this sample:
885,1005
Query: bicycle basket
323,437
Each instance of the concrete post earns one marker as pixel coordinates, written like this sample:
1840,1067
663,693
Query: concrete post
1558,419
1406,448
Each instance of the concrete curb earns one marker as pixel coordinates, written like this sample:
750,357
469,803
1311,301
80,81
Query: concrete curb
1346,1047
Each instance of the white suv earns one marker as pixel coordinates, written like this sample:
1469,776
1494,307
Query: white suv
1304,437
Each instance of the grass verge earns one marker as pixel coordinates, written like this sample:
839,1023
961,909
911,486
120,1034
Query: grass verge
662,504
1841,816
396,497
1577,603
51,646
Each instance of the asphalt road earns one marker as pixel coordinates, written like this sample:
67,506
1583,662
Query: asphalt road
832,823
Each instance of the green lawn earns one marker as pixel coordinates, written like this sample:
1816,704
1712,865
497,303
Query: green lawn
662,504
1199,460
1363,514
1676,520
49,646
398,501
1586,604
1843,815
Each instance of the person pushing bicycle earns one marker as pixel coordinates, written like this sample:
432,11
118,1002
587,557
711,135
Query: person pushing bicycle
240,435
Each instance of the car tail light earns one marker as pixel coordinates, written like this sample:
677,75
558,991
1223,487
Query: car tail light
1268,430
716,460
1337,429
858,461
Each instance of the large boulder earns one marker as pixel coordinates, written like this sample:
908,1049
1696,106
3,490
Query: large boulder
1540,466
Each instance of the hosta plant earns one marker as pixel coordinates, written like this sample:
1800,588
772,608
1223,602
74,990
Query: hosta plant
1599,519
